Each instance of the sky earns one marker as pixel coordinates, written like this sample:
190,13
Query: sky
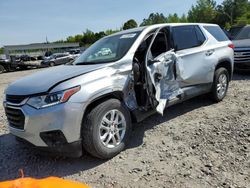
31,21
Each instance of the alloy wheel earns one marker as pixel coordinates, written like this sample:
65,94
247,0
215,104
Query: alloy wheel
222,85
112,128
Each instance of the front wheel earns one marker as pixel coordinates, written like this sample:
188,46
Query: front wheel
220,85
106,129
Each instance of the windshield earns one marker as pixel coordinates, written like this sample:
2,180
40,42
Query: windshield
244,34
108,49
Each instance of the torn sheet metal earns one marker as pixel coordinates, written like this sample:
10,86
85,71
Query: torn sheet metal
162,75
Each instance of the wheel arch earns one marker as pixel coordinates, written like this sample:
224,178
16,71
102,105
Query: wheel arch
225,63
93,103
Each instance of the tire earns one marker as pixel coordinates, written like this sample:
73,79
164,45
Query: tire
92,131
221,80
1,69
51,64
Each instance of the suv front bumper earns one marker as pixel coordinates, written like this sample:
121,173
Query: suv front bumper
56,128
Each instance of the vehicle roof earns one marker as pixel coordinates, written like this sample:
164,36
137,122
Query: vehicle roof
155,26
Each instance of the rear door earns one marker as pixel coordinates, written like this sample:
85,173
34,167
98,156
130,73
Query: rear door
196,59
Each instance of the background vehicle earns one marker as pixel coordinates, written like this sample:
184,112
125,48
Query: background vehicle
25,57
57,59
74,53
92,103
242,49
5,65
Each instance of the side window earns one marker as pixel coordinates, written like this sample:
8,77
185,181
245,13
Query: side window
217,33
159,45
200,36
186,37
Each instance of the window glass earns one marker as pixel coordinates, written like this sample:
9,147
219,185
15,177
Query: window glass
200,36
244,34
217,33
185,37
159,45
108,49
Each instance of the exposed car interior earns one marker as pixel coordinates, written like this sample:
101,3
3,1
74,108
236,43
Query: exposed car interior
159,46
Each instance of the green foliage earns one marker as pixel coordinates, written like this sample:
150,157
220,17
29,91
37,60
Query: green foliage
244,19
1,51
203,11
174,18
129,24
154,18
232,12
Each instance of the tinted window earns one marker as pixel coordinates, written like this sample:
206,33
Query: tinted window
217,33
200,36
243,34
234,31
159,45
186,37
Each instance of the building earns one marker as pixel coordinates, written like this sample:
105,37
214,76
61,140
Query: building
38,48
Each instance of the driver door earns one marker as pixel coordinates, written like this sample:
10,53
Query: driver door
162,85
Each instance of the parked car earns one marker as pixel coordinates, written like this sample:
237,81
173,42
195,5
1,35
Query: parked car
75,53
4,65
57,59
25,58
242,49
91,103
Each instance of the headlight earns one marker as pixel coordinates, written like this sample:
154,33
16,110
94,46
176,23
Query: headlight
52,98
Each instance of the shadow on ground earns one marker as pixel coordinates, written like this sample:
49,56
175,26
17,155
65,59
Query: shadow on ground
15,155
241,75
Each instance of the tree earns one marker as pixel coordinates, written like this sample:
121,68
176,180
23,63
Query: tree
154,18
232,12
110,31
129,24
173,18
203,11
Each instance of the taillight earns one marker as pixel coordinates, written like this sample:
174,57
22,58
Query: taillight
231,46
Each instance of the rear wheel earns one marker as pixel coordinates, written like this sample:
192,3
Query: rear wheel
220,85
106,128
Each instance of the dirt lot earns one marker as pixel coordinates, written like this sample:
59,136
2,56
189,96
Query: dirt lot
195,144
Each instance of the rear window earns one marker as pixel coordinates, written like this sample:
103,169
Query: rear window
243,34
217,33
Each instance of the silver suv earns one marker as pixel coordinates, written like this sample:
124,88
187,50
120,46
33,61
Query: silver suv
91,103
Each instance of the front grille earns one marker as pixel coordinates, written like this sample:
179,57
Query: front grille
15,98
15,117
242,55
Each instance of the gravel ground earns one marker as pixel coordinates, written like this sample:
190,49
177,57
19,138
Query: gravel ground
195,144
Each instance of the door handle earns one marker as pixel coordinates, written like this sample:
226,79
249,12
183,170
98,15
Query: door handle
209,52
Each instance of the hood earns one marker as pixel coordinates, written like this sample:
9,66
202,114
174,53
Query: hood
245,43
42,81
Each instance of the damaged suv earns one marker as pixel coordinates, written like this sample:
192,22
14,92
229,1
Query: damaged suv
91,103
